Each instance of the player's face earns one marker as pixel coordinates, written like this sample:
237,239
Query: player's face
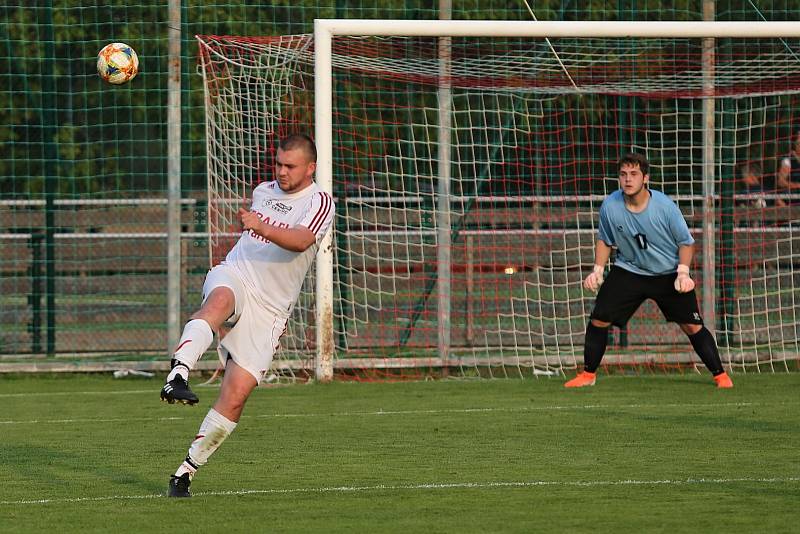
293,170
631,180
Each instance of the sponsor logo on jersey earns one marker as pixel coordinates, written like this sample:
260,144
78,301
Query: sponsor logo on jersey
276,205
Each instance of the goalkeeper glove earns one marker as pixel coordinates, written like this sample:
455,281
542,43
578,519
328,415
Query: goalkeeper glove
683,282
595,278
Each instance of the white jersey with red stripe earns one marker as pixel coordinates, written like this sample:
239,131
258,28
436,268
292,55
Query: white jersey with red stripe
273,274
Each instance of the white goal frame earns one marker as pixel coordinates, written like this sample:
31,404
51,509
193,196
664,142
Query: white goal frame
325,29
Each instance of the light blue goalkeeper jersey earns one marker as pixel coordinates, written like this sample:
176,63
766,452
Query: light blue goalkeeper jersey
647,242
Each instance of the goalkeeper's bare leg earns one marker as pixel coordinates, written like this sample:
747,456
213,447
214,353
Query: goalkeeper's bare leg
218,424
198,334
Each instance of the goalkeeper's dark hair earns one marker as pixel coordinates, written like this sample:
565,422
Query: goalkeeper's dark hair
300,141
633,158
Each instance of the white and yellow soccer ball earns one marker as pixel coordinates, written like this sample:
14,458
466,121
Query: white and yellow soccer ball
117,63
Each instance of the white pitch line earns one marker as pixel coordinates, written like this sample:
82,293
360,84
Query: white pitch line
514,409
407,412
88,420
423,487
71,393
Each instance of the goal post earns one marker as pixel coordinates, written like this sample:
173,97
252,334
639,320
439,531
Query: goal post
500,245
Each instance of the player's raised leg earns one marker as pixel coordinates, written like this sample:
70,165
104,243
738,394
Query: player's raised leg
198,334
196,338
218,424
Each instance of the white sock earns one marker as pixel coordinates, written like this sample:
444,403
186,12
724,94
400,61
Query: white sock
196,338
213,431
186,467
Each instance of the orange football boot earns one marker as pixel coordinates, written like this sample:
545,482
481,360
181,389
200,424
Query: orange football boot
723,381
582,380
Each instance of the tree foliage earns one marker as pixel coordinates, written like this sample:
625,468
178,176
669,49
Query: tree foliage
113,140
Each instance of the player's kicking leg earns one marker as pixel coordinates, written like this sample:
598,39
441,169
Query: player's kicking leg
198,334
197,337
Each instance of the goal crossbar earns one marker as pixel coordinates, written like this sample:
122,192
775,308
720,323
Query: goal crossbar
552,29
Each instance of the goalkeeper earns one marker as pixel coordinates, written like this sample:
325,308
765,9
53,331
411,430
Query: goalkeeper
654,251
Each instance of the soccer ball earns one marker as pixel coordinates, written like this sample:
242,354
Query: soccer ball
117,63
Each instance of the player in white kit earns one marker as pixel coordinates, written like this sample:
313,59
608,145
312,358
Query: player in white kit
254,289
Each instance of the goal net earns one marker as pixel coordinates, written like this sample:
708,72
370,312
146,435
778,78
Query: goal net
469,171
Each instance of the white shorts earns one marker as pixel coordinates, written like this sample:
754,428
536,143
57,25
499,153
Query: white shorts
255,335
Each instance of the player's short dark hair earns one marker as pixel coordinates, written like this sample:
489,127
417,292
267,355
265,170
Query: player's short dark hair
300,141
633,158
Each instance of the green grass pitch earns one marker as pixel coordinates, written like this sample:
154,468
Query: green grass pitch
664,453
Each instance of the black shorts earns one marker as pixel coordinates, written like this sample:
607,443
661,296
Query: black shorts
623,292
